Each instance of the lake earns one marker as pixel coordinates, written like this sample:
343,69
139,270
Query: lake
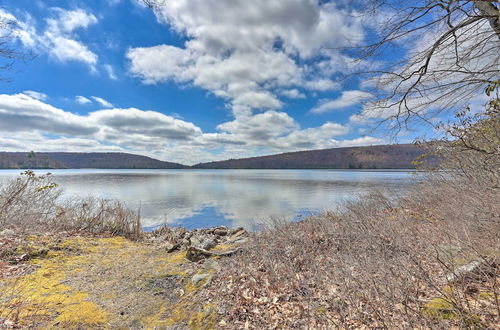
205,198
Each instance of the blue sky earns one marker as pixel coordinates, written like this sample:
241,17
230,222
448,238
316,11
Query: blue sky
194,81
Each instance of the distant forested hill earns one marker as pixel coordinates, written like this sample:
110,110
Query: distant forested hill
385,156
54,160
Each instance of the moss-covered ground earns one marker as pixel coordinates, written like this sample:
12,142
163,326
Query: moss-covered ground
84,282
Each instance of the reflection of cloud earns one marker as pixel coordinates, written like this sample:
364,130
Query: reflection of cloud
244,197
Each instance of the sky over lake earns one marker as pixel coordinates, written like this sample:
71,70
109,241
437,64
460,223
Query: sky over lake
193,81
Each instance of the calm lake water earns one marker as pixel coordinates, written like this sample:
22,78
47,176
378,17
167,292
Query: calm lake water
204,198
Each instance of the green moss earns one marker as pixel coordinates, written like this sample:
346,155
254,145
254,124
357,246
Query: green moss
205,319
441,308
42,294
85,282
485,295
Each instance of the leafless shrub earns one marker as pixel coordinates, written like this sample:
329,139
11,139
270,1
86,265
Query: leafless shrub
32,203
377,263
28,201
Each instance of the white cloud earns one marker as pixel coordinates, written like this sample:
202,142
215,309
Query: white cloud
64,49
21,114
293,94
30,124
150,124
59,38
312,138
160,63
102,102
361,141
247,52
110,71
260,128
82,99
322,85
347,99
36,95
69,20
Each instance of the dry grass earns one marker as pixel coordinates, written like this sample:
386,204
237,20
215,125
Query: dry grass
32,204
377,263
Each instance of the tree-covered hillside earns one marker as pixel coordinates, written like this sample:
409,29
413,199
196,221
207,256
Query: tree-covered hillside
54,160
385,156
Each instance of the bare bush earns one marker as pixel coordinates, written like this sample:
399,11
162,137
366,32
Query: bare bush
470,151
32,203
28,201
377,263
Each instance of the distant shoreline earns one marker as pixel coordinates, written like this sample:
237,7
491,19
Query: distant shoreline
397,156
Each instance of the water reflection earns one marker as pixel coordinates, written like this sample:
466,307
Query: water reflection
202,198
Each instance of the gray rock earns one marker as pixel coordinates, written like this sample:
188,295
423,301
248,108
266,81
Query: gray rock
472,268
209,310
238,240
221,231
237,233
211,264
195,240
171,247
7,232
198,278
208,243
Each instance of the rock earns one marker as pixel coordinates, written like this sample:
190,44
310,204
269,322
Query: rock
194,255
208,243
7,232
237,233
211,264
198,278
238,240
195,240
171,247
209,310
473,269
221,231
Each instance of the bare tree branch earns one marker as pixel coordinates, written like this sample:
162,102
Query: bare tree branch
449,50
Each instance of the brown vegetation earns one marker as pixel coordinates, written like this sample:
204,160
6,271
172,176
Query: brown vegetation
428,259
376,264
31,204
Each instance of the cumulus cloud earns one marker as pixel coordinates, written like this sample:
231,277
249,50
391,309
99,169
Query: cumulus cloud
246,52
346,99
293,94
59,39
21,112
21,115
261,127
27,123
150,124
